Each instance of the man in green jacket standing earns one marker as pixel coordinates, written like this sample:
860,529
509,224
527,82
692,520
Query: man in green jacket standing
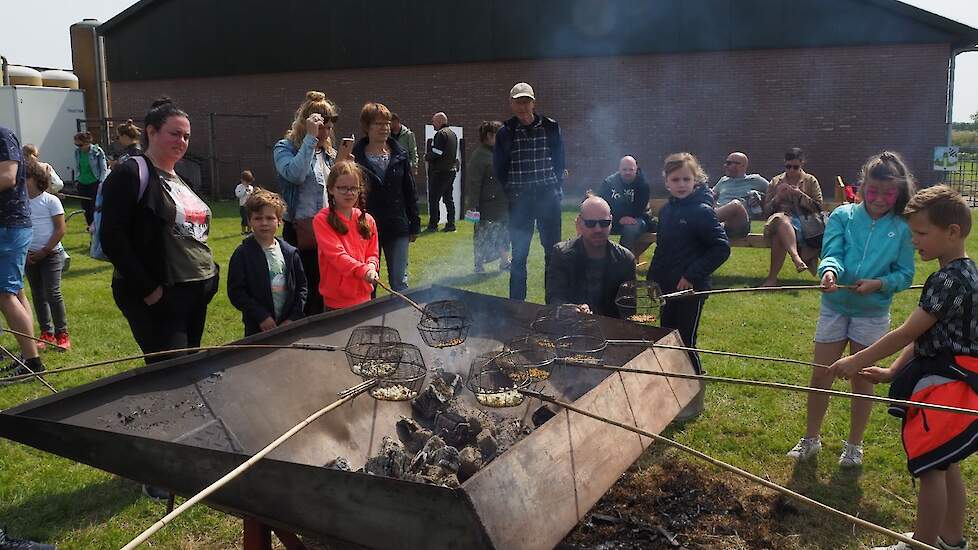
405,138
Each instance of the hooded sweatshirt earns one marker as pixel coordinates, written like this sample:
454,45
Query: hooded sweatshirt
690,243
855,246
345,259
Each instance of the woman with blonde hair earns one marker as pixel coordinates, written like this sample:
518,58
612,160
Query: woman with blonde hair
303,159
129,139
31,152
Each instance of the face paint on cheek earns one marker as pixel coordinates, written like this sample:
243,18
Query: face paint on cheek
888,197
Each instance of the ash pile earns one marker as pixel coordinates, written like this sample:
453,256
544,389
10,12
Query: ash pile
446,442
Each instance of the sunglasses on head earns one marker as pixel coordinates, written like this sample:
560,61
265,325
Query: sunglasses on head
792,167
591,223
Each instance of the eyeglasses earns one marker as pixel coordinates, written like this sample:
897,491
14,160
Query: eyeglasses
332,118
792,167
347,190
591,223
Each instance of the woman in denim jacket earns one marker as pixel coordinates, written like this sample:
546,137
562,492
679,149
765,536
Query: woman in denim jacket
302,161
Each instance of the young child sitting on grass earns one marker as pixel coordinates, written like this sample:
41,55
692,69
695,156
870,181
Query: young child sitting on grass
938,364
265,277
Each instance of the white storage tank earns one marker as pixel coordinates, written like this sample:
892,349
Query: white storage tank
56,78
24,76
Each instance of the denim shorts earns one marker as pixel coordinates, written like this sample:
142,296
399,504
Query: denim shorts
13,256
833,327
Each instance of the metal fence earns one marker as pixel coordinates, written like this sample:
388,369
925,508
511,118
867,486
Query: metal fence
965,178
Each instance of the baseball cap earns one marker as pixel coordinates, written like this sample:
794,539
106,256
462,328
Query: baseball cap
522,90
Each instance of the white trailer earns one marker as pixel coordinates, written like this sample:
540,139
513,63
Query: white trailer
48,118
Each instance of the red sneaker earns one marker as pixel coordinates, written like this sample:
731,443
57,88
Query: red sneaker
63,340
46,338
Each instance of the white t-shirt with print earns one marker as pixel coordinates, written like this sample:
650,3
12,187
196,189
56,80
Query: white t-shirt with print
276,276
44,207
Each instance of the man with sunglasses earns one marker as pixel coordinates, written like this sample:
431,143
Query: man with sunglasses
738,195
588,269
528,161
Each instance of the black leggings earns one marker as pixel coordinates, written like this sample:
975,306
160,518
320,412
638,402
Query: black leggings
88,190
175,321
684,315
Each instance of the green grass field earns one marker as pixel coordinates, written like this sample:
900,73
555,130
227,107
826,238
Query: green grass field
55,500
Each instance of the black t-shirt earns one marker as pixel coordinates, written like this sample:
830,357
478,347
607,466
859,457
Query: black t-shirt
951,295
15,210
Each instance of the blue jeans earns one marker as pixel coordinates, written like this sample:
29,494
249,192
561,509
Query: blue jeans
13,255
629,233
395,251
542,207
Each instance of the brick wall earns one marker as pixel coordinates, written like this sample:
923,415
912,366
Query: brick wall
839,104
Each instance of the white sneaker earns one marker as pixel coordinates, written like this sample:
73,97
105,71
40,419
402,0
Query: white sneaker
806,448
852,455
940,544
898,546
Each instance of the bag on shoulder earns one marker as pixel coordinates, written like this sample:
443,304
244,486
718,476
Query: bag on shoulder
813,227
95,251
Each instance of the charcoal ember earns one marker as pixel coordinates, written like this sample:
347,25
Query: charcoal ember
438,394
339,463
487,443
391,461
412,434
436,453
456,429
541,415
469,462
439,476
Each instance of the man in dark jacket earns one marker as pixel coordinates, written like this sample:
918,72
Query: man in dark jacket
442,165
627,193
528,160
588,270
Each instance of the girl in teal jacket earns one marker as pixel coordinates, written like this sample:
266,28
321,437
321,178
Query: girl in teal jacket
867,257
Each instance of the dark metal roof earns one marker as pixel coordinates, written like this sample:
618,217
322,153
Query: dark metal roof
192,38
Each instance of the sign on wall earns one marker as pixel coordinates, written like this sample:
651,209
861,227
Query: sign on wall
946,159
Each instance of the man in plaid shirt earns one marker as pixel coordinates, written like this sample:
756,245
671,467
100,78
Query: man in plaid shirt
528,160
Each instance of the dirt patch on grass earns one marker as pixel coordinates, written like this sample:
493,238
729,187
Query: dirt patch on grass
683,505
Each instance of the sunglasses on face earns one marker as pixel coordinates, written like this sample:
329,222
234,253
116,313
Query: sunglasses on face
332,118
792,167
591,223
729,162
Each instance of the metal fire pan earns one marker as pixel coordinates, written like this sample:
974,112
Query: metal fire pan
183,423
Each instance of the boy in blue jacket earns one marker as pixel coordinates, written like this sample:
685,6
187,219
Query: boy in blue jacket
265,277
691,245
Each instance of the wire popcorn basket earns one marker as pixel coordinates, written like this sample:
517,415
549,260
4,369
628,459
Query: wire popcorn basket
497,384
581,349
361,339
444,323
537,363
639,301
399,369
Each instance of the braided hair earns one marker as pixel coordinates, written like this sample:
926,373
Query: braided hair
344,168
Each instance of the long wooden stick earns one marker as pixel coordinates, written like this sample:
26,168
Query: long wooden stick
297,345
30,372
414,304
735,470
240,469
36,339
652,344
690,292
775,385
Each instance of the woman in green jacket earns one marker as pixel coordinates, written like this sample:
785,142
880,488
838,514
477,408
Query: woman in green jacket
485,195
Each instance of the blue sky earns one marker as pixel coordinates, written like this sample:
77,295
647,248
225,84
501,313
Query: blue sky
41,37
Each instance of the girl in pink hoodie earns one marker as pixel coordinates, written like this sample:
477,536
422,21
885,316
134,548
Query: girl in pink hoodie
349,255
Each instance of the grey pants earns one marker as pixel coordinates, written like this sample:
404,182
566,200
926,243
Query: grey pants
45,280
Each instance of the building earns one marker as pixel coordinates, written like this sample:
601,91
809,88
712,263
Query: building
842,79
